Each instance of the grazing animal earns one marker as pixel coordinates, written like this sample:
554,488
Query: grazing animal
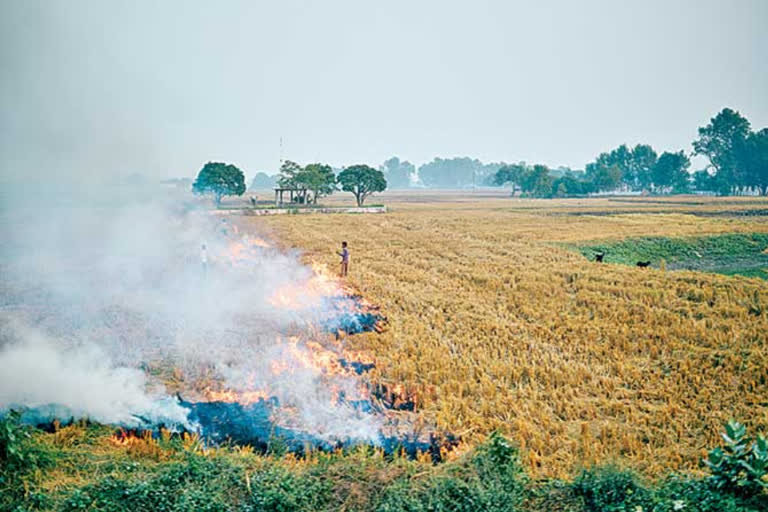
643,264
599,257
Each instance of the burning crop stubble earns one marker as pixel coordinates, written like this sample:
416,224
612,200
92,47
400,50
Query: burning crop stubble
494,325
108,309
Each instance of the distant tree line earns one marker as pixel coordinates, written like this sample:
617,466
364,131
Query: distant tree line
738,163
737,156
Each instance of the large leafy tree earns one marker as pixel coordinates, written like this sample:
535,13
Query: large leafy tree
398,172
671,172
755,160
362,181
621,157
219,179
702,181
290,177
641,166
722,141
634,165
603,176
538,182
319,178
510,173
571,184
289,174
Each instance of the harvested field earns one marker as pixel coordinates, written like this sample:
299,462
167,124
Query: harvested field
496,326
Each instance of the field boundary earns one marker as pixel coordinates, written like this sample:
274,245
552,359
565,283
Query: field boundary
298,211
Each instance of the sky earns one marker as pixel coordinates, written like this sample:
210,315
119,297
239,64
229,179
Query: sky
94,89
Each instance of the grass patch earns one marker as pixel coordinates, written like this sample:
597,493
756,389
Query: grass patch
729,254
489,478
87,470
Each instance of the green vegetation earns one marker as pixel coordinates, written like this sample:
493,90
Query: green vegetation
83,467
741,254
738,162
362,181
219,180
740,465
311,181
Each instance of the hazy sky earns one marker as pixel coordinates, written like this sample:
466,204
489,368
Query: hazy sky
103,87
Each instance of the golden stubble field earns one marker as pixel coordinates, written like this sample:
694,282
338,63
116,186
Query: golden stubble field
495,326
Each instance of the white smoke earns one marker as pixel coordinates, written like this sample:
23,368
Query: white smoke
79,382
114,285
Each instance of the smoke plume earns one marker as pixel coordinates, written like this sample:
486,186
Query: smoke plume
109,309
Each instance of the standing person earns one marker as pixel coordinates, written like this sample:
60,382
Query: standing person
204,259
344,253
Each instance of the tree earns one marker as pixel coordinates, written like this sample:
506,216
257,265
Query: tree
621,157
510,173
634,165
538,182
398,173
219,179
755,160
318,178
602,176
290,177
570,185
642,162
362,181
671,172
451,172
720,141
289,172
702,181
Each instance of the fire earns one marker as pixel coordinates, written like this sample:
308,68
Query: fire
326,305
231,396
314,356
127,437
343,308
311,293
241,250
299,355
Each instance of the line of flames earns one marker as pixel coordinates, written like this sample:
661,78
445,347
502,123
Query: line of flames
319,287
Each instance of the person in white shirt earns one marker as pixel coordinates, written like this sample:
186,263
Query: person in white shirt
204,259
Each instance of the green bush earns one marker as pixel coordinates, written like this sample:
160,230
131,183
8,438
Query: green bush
679,494
20,459
491,480
18,453
741,465
279,490
194,484
200,483
609,489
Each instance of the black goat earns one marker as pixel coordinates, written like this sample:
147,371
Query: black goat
599,257
643,264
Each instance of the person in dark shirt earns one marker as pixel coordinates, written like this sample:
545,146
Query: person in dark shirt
344,253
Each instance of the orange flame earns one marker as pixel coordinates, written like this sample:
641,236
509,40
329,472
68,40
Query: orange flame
231,396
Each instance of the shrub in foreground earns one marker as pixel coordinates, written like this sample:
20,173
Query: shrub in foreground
741,465
490,480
